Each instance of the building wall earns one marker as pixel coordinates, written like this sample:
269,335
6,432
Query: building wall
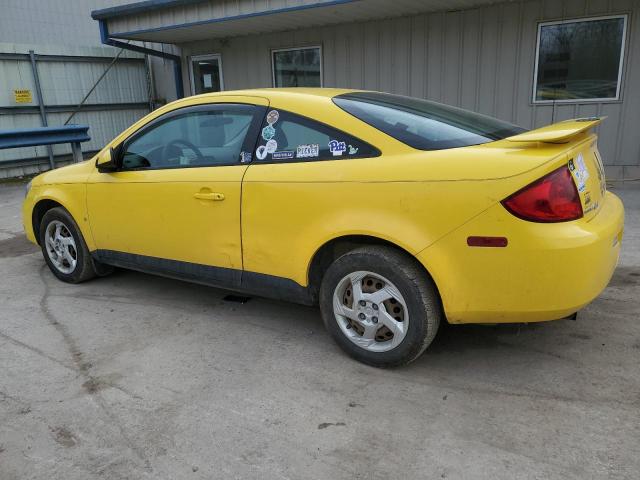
480,59
121,98
64,28
52,22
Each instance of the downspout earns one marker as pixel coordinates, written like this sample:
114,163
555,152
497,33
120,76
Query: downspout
177,61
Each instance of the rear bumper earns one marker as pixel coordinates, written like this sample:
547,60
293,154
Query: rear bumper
546,272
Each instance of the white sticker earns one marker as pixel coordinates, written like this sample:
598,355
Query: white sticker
337,148
284,155
272,146
308,151
352,150
272,117
582,168
580,172
261,152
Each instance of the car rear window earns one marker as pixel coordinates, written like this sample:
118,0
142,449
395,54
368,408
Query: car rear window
423,124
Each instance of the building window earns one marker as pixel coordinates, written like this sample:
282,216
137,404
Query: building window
297,67
580,60
206,74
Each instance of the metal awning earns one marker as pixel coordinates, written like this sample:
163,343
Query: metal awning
180,21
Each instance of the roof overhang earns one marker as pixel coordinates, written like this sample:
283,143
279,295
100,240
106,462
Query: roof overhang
155,20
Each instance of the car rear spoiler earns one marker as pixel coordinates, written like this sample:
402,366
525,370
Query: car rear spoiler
560,132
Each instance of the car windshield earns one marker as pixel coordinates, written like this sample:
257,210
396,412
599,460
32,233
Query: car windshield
423,124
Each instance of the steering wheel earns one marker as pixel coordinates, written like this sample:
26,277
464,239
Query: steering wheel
174,144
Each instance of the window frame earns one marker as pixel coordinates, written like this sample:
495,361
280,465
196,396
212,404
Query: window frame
256,161
289,49
207,56
618,97
249,141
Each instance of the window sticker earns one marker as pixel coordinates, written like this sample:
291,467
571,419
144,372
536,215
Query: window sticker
245,157
268,132
272,146
580,172
272,117
283,155
337,148
308,151
352,150
261,152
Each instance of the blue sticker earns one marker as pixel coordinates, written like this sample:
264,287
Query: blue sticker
268,132
284,155
337,148
245,157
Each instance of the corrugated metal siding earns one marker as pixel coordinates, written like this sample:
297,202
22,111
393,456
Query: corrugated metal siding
64,27
247,17
201,11
59,22
481,59
65,83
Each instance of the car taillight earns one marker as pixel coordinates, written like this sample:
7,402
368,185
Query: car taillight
553,198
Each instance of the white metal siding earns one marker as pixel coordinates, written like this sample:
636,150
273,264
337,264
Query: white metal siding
52,22
65,83
212,9
64,27
481,59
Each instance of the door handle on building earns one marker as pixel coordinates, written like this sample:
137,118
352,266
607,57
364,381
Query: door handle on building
215,197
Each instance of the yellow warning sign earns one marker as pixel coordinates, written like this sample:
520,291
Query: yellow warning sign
23,96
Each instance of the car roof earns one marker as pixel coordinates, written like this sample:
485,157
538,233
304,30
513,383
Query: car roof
273,93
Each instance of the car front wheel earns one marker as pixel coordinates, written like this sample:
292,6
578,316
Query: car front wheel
64,248
380,306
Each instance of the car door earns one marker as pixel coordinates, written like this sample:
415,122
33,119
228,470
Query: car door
173,206
293,193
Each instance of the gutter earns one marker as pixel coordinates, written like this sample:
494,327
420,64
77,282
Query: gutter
176,59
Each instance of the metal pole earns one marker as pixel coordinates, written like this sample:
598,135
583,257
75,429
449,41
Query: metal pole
76,150
43,113
77,109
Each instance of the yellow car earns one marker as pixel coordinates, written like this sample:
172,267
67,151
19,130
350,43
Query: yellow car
392,213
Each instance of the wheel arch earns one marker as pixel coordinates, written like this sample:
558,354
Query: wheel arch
40,208
337,246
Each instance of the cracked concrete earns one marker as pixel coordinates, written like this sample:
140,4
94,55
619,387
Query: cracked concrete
140,377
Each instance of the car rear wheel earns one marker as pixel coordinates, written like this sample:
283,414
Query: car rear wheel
380,306
64,248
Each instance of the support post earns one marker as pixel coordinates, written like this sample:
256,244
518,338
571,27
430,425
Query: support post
43,113
76,150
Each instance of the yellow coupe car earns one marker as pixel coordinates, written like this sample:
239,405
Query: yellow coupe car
392,213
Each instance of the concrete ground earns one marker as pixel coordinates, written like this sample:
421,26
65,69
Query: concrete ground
140,377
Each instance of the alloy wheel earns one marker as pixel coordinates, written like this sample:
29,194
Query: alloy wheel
370,311
61,247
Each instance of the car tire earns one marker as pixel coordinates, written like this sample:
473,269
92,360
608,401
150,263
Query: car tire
394,319
64,248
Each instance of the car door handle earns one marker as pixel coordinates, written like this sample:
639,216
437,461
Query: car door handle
215,197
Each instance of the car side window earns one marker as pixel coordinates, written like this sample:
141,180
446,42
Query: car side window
214,135
287,137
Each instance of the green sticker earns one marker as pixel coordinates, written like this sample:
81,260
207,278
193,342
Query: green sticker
268,132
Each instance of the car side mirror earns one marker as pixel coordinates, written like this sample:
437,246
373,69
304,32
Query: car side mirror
106,162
